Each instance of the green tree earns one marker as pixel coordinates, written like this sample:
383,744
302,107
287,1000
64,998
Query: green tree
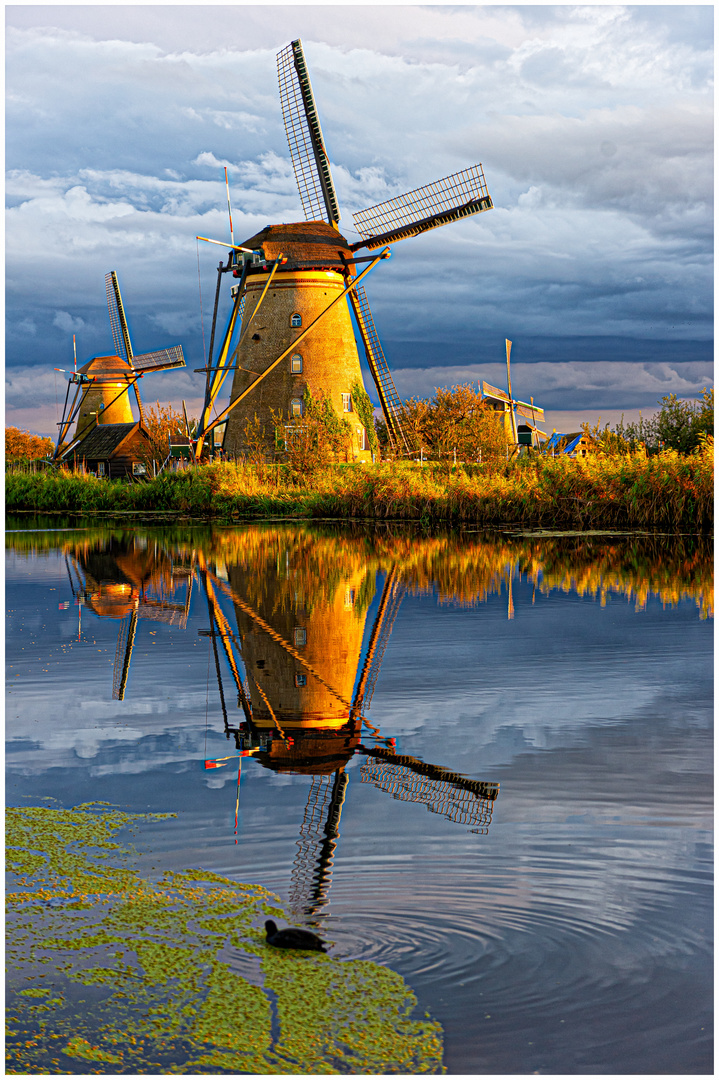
312,441
678,425
365,410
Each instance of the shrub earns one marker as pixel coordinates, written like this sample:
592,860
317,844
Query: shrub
312,441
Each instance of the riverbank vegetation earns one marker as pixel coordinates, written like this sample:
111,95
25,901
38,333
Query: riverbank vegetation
657,474
668,490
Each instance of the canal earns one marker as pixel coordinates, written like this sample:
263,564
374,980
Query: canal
478,765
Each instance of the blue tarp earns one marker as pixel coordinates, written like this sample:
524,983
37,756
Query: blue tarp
556,437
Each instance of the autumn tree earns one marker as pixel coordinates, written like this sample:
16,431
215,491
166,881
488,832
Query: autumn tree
456,420
162,423
22,444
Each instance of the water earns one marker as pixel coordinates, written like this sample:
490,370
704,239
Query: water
521,826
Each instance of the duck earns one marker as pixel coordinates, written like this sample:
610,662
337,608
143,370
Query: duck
292,938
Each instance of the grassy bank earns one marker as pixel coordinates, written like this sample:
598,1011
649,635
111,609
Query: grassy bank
667,491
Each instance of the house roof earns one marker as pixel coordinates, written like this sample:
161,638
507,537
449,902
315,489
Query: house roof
103,441
564,441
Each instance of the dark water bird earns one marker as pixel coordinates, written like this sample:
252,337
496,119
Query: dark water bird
293,938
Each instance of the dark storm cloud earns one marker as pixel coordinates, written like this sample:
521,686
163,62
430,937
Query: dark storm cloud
593,124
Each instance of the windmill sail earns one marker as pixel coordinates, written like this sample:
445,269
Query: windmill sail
118,322
319,833
531,412
457,196
522,408
388,396
304,136
494,392
160,360
455,797
123,655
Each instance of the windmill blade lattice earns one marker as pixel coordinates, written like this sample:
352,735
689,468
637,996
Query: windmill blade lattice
455,797
304,137
319,833
160,360
456,196
118,322
123,655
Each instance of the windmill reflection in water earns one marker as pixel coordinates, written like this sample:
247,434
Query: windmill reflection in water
130,578
303,713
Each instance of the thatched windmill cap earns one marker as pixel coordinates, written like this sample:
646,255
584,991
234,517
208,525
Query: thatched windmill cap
98,365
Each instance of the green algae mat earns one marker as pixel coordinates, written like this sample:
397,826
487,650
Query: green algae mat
111,973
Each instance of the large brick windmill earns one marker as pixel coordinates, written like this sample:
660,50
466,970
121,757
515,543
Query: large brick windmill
298,283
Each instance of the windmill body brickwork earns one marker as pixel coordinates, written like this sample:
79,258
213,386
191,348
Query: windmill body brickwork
326,362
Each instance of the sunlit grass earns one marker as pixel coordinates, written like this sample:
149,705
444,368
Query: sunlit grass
667,490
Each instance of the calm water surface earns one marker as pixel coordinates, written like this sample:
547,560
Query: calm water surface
481,760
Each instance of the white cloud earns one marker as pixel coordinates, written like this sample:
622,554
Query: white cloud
593,125
64,321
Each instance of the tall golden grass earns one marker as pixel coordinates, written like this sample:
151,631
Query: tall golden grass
668,491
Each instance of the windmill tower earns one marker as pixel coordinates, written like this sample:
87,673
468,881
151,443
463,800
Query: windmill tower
298,283
103,384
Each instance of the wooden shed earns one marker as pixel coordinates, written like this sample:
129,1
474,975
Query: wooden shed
112,450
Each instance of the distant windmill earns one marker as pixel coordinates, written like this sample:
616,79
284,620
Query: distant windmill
103,383
301,276
512,407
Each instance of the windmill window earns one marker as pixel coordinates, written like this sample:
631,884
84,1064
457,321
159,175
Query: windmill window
346,403
256,337
296,319
296,407
300,680
300,637
296,364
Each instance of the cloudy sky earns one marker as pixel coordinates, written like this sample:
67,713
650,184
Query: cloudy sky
593,124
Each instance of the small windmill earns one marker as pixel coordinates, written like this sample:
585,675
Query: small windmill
510,406
302,276
103,384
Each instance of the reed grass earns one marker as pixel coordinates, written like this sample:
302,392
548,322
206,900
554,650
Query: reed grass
668,491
